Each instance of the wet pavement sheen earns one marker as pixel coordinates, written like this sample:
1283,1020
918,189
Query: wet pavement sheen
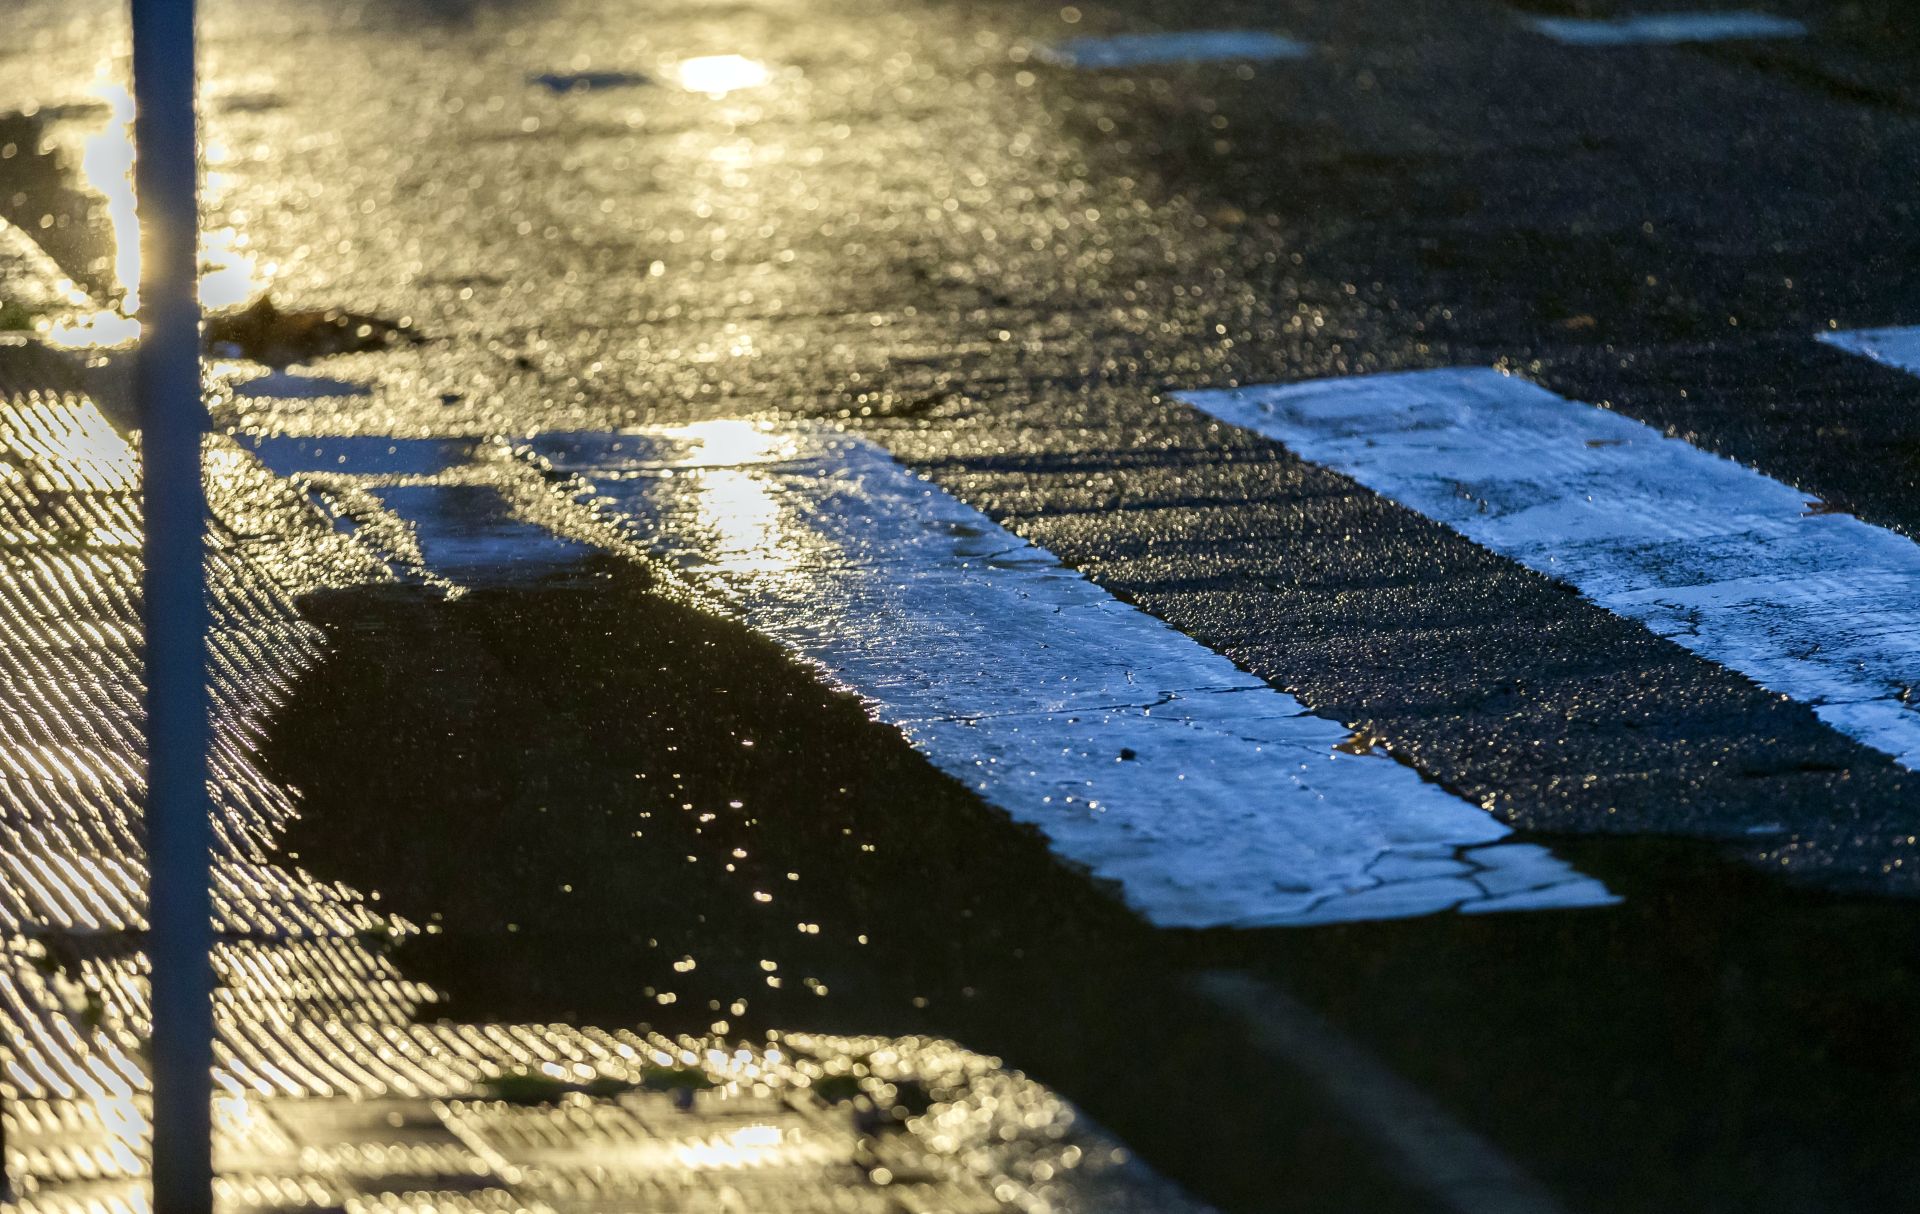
994,242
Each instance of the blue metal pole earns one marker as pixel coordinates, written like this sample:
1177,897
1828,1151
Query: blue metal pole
172,421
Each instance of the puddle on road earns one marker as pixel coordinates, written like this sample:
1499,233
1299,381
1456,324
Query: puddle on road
614,807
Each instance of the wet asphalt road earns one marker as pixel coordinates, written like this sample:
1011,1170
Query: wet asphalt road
1001,270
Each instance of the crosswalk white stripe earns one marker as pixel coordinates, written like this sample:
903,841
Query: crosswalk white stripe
1733,565
1665,28
1207,796
1896,347
1178,46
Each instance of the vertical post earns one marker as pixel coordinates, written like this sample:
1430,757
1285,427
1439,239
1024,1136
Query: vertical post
172,420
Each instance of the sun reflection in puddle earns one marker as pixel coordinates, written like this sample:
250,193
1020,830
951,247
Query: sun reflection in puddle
728,443
753,1146
718,75
741,511
228,274
107,164
735,498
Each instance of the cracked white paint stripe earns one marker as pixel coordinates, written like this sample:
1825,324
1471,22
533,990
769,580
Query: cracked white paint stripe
1181,46
1896,347
1666,28
1207,797
1733,565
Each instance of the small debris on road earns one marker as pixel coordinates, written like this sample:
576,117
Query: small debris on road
581,82
265,334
